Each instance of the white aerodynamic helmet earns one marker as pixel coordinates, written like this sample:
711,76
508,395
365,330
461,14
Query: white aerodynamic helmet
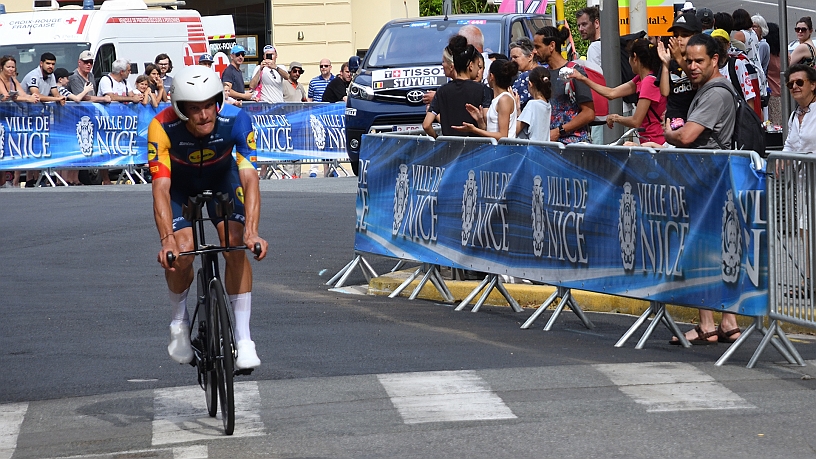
195,83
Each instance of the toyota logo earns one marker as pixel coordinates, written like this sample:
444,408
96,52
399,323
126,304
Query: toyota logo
414,96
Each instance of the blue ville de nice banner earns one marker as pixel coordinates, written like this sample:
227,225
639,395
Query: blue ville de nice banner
41,136
677,228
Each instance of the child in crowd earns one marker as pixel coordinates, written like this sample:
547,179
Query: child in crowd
500,120
534,121
143,88
227,98
61,75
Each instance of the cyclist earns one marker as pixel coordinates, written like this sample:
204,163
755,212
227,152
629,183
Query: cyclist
190,150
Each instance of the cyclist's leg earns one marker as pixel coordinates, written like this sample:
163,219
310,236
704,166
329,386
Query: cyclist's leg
238,275
178,284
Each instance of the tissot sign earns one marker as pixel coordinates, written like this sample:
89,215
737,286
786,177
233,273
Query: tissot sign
523,6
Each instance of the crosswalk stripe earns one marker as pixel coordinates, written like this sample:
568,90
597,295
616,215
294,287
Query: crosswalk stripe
671,386
180,415
181,452
11,417
443,396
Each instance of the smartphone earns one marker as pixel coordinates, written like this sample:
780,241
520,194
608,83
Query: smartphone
269,56
89,83
12,94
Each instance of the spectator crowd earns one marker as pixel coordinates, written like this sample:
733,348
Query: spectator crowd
533,93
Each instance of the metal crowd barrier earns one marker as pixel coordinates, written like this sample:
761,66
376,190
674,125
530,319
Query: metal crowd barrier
791,185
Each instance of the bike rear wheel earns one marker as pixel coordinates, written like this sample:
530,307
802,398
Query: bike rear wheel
225,362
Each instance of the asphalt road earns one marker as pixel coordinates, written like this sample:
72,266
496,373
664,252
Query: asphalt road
83,334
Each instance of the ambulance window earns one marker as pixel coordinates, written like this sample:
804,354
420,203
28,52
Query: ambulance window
103,64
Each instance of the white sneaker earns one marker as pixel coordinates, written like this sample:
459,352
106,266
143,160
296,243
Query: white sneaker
247,357
179,348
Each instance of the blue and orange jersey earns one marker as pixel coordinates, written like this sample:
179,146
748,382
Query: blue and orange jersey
191,162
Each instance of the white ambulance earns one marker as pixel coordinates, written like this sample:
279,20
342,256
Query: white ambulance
118,29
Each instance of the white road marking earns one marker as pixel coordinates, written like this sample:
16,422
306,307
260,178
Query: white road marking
671,386
790,7
180,415
443,396
11,417
182,452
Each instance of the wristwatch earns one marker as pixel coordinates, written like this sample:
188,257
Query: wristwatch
561,131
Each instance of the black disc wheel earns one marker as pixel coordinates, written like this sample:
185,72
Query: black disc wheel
225,362
208,347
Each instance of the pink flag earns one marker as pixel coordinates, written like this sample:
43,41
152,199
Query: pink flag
523,6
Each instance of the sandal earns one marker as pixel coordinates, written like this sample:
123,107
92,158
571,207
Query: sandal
701,340
725,337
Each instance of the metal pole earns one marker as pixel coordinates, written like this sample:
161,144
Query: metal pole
610,29
637,16
783,65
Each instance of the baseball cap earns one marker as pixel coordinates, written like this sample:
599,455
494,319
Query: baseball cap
720,33
268,48
86,56
295,64
205,58
61,72
237,49
688,22
705,15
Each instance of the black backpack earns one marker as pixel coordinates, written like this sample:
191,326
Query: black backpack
748,131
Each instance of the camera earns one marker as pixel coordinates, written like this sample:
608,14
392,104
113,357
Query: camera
269,56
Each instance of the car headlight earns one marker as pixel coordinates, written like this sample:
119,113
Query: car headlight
359,91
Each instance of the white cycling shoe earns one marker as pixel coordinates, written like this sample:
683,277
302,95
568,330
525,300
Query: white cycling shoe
179,348
247,357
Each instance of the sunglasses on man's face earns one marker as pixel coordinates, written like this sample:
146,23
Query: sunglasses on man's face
801,29
324,66
799,82
296,70
242,54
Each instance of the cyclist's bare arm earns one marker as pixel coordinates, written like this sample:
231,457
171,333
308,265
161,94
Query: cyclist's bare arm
252,208
163,214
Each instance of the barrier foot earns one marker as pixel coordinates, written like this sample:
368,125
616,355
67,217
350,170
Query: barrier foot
490,286
510,300
567,299
784,346
342,276
540,310
660,315
441,286
398,266
406,283
335,166
46,174
473,294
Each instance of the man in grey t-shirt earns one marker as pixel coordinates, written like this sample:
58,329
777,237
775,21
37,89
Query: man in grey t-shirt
710,123
713,111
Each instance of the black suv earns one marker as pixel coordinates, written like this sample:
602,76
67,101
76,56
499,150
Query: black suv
405,60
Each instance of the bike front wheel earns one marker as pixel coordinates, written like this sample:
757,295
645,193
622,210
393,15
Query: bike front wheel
225,361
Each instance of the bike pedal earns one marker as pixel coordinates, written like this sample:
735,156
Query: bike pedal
244,372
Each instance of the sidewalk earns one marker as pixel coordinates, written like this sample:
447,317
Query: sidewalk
531,297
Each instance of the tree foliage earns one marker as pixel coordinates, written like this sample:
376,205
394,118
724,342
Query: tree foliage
434,8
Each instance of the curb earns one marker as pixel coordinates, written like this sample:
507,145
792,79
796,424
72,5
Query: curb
531,297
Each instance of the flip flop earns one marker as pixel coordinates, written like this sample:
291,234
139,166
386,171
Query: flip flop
725,337
701,340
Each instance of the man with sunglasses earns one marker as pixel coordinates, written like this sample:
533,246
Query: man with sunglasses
82,77
293,90
318,84
233,75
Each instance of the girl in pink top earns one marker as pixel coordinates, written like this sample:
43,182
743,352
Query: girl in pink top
651,104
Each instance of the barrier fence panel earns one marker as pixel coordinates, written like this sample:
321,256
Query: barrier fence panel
89,135
791,204
684,227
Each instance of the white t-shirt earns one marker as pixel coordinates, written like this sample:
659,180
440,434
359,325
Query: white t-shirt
743,76
493,116
594,56
107,85
802,137
271,85
536,115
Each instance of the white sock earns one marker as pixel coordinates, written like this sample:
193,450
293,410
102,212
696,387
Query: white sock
242,307
178,301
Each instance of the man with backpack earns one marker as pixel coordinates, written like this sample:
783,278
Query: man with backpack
572,102
710,123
